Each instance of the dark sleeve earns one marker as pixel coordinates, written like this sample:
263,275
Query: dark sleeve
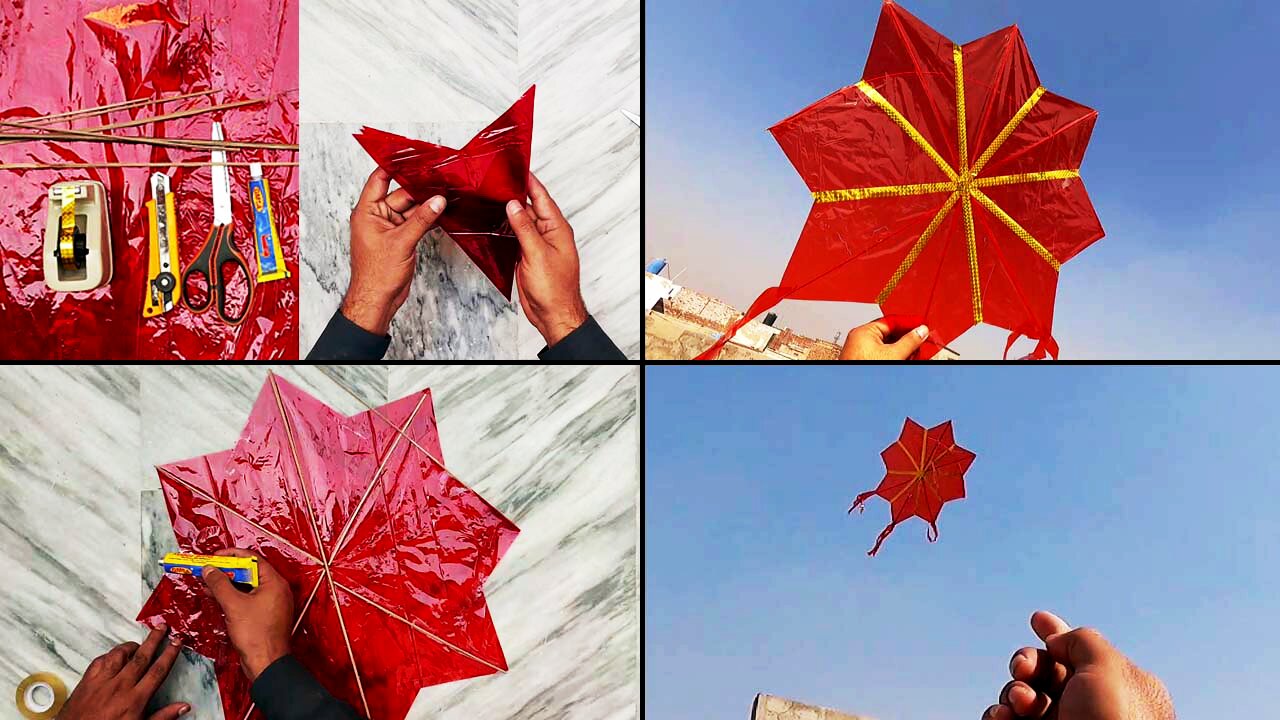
345,340
586,344
286,691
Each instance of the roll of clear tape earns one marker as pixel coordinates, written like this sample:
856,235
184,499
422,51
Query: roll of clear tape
40,696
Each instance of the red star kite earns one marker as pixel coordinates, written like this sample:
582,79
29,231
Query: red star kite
946,187
923,470
385,550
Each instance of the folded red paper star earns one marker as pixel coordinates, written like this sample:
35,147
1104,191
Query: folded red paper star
478,181
386,552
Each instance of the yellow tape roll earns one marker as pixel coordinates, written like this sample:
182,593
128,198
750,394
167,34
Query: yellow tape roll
40,696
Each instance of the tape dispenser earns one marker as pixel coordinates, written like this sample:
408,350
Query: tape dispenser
77,240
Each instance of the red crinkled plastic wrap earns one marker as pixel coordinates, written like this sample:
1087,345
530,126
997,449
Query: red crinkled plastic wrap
65,55
946,188
477,181
385,550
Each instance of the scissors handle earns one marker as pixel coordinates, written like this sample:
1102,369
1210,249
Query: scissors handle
226,254
218,251
201,268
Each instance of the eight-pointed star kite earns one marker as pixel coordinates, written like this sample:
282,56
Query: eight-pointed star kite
385,550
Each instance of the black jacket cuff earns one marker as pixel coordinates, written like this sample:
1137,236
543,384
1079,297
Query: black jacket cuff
287,691
588,343
345,340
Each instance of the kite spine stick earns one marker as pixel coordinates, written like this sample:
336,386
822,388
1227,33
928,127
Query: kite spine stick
975,278
856,194
1023,178
906,126
916,251
1008,129
962,122
1018,230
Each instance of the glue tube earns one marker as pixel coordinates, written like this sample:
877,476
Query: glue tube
265,239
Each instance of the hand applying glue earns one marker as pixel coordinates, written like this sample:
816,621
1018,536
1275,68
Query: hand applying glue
259,625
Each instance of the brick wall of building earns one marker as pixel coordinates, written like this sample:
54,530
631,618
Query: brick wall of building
768,707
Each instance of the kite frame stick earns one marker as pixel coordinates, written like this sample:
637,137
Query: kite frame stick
88,166
101,109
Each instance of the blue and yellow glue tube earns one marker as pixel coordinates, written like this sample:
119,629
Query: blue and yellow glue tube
241,570
265,239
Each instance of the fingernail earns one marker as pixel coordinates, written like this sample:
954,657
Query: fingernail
185,709
175,641
515,207
162,627
436,204
923,332
204,571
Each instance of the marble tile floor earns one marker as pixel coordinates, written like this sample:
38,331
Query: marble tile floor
450,67
556,448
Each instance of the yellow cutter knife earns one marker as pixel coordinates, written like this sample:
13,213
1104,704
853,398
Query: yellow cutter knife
163,290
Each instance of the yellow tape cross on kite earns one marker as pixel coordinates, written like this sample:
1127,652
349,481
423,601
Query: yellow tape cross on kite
963,184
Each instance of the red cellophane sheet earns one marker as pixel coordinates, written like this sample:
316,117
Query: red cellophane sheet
923,470
65,55
386,552
947,187
477,181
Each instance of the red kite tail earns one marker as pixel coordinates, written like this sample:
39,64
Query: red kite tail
1046,347
932,533
859,504
880,540
767,299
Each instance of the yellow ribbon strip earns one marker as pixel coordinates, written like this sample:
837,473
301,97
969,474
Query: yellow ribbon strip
961,122
831,196
907,127
914,255
1008,129
67,230
1027,178
1017,229
971,239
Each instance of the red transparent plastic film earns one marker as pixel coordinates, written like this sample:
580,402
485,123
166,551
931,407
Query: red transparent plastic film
924,469
409,547
892,182
477,181
87,53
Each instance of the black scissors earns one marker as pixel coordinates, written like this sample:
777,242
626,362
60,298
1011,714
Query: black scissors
219,250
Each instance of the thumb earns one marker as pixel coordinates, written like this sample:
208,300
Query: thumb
169,712
1080,648
522,222
420,219
220,586
908,344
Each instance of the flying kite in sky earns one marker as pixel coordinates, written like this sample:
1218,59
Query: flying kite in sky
946,188
923,470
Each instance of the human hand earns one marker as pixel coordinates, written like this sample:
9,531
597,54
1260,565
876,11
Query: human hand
385,230
117,685
884,339
259,622
1079,676
547,276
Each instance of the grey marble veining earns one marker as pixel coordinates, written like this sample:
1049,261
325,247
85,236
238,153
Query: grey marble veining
192,679
466,63
406,60
557,448
453,312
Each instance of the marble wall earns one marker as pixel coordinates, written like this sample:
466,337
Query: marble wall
441,70
556,448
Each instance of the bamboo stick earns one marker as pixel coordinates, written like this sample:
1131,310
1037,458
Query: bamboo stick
177,143
115,107
160,118
87,166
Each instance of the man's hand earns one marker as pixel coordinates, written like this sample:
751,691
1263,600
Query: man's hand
259,622
385,230
1078,676
884,339
117,686
547,276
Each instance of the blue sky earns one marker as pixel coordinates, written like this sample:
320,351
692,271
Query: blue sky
1141,501
1184,167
